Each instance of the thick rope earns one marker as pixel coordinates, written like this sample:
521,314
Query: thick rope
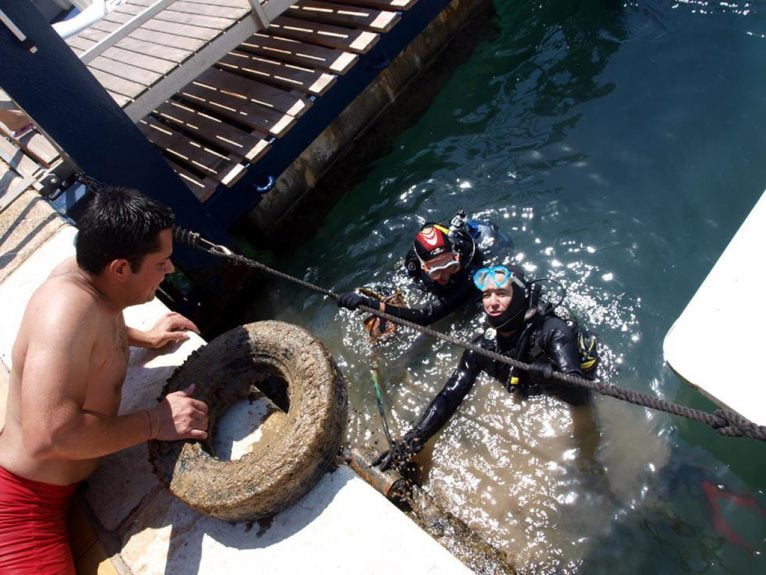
728,423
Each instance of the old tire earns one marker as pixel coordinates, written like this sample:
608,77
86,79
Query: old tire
291,367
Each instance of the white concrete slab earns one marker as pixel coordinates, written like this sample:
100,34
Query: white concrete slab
713,342
342,526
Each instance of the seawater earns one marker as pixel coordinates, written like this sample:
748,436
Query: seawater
619,146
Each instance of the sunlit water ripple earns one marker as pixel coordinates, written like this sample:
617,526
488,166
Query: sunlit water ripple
618,146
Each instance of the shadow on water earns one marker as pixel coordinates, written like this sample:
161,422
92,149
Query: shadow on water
605,140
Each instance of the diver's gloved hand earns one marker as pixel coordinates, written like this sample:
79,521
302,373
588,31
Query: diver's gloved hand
541,372
400,452
352,300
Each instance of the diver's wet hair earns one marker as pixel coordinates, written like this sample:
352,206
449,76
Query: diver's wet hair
118,223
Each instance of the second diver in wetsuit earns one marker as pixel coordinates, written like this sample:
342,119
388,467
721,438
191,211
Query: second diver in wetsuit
525,330
442,260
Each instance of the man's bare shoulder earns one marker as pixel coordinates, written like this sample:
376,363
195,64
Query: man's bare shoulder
67,269
65,295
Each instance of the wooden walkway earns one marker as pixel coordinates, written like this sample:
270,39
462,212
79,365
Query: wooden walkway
225,118
24,163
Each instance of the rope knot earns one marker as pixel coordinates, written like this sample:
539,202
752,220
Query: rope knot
733,424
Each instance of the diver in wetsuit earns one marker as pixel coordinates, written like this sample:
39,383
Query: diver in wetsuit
520,328
442,259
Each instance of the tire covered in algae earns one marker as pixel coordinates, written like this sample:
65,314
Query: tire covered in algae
297,373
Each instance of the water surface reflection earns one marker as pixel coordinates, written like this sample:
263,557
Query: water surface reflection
619,146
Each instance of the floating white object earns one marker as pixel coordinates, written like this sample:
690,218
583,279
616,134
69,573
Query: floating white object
717,342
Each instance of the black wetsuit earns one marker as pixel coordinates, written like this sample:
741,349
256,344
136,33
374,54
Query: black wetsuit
553,343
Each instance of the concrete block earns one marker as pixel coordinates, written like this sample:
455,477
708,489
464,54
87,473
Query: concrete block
341,526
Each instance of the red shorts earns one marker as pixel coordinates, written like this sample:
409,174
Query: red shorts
33,536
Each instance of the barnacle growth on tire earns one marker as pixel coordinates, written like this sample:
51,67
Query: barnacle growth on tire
297,373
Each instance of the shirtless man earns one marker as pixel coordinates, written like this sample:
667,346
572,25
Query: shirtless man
68,366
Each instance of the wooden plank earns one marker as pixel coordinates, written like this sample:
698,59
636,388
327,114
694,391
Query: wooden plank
104,26
37,146
129,8
237,109
358,41
189,17
170,40
121,100
209,10
342,15
184,150
219,11
124,70
92,34
214,22
289,102
17,160
12,185
229,3
163,52
120,18
202,188
182,30
208,128
197,63
300,53
117,85
79,43
123,29
278,73
380,4
156,65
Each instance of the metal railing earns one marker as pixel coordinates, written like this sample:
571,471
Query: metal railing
264,11
135,22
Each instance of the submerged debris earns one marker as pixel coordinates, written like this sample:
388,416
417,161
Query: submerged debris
455,535
423,509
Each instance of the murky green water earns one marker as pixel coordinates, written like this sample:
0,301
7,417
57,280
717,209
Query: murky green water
620,146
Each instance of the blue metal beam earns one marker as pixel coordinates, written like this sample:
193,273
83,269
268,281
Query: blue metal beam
59,93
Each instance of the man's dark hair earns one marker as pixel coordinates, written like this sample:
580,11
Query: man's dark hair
119,223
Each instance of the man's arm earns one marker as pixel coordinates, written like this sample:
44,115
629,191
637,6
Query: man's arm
171,327
560,345
434,310
437,414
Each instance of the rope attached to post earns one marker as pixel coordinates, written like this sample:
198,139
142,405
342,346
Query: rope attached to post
727,423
